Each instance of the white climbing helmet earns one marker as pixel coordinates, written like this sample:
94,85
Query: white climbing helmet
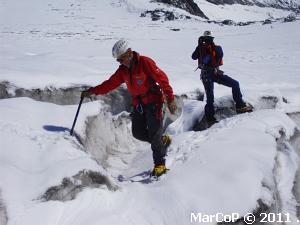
207,33
119,48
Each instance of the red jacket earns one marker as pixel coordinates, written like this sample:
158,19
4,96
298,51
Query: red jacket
145,82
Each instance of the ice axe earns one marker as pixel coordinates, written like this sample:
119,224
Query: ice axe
75,119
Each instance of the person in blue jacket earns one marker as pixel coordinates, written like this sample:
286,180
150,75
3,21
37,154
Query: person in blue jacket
209,58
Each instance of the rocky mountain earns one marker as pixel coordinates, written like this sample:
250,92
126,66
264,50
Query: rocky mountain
292,5
188,5
227,12
193,8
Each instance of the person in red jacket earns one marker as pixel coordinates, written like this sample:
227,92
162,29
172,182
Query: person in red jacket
149,85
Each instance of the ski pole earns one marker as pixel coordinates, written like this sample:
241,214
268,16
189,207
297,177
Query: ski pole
75,119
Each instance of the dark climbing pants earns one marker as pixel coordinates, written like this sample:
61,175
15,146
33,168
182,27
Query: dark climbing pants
208,80
147,126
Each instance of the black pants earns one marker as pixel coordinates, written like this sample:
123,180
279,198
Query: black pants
208,80
147,126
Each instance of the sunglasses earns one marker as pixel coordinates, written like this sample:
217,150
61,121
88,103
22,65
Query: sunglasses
123,57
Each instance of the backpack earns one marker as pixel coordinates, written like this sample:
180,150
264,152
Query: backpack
219,55
216,53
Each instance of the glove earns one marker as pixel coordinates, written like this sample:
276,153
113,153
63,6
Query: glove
172,107
86,94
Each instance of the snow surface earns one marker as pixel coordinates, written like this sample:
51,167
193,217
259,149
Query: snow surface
224,169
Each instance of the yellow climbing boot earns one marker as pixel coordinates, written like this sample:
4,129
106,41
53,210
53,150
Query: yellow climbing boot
159,170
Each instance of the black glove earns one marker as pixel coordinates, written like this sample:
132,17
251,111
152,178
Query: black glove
200,40
86,94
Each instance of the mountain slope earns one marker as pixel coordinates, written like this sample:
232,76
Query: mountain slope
195,6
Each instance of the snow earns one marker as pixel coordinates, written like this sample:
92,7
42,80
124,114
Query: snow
237,154
285,173
33,157
224,169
